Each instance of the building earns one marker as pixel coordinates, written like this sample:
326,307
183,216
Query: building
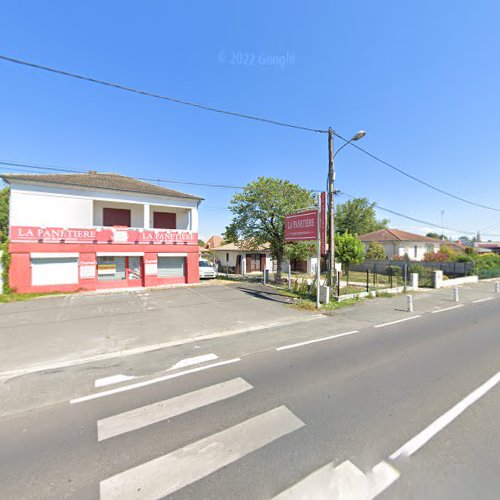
487,246
399,243
91,231
237,260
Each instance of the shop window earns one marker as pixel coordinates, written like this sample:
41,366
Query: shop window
54,271
116,217
164,220
111,268
171,267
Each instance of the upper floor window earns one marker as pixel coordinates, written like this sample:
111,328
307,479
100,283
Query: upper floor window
116,217
164,220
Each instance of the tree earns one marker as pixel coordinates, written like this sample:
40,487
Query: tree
201,243
376,251
4,214
259,212
349,249
437,236
357,216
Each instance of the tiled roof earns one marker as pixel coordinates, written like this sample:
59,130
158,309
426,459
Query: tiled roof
240,247
115,182
395,235
214,241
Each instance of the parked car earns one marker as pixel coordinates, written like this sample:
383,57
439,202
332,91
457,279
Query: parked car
207,270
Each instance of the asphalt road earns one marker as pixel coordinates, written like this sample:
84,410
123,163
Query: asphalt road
403,410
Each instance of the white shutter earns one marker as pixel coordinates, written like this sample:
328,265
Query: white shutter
169,267
54,271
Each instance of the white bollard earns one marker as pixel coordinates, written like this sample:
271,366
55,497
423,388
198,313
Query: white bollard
409,303
497,286
455,295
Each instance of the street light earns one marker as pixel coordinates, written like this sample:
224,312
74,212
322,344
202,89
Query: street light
331,180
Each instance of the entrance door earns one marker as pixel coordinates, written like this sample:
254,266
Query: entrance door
134,271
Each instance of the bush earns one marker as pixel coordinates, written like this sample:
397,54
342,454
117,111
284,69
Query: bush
376,251
4,247
437,257
424,275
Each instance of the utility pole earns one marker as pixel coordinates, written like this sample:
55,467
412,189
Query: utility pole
331,216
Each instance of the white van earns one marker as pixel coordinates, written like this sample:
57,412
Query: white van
207,269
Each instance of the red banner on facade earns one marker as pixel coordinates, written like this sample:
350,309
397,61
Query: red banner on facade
105,235
301,226
323,223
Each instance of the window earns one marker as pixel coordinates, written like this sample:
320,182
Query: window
115,217
415,251
164,220
429,248
111,268
171,267
227,257
54,271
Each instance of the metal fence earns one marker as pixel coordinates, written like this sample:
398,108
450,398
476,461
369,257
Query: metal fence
450,269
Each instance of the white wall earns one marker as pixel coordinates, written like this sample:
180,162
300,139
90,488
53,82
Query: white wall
183,217
400,248
39,209
44,205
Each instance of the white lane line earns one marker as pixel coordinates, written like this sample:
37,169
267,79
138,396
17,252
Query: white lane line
482,300
137,385
447,309
113,379
166,474
397,321
162,410
343,481
440,423
322,339
193,361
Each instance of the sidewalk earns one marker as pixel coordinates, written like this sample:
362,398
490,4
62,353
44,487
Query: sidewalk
72,330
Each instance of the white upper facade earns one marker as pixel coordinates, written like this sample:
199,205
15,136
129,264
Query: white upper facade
50,205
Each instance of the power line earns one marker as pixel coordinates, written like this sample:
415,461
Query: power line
8,164
416,179
159,96
427,223
245,116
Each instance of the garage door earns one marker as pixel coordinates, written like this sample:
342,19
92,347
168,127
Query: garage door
54,271
170,267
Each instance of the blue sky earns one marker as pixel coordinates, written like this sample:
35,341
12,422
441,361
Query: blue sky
421,78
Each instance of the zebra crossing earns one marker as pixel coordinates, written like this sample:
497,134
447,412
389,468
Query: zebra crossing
169,473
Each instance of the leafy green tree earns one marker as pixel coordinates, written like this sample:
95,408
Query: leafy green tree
357,216
437,236
4,214
259,212
349,249
376,251
201,243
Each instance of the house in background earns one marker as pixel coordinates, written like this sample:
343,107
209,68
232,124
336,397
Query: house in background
399,243
90,231
487,246
240,261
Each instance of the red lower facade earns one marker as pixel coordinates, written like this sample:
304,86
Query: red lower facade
100,266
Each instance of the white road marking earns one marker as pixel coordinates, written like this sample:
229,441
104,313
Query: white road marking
482,300
307,342
397,321
344,481
166,474
154,347
440,423
193,361
113,379
447,309
137,385
163,410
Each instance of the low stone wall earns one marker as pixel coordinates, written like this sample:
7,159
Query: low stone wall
373,293
439,282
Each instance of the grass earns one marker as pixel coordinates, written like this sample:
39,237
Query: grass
20,297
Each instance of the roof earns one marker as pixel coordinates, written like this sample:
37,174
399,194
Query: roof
240,247
214,241
488,244
92,179
396,235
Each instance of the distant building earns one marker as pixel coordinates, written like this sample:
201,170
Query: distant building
399,243
90,231
487,246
